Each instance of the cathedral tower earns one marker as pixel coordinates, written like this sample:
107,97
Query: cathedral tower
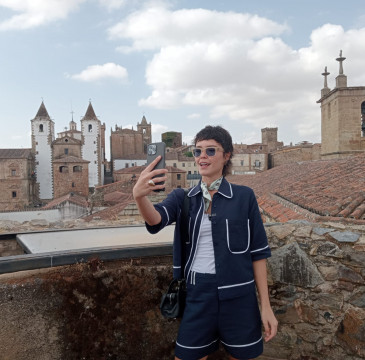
42,137
92,146
342,117
145,129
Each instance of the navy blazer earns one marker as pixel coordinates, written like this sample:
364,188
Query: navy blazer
238,234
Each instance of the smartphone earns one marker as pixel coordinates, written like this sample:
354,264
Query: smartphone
154,150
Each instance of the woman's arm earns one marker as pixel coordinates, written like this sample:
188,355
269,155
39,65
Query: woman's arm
141,189
267,315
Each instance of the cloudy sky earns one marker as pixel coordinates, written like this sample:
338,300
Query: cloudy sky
183,64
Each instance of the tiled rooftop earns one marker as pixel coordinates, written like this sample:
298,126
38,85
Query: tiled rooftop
15,153
71,197
333,188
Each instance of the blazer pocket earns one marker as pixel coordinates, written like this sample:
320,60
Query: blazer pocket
238,236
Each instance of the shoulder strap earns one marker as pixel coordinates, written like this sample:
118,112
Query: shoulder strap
185,209
184,228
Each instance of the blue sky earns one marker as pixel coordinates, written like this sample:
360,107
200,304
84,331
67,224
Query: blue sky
183,64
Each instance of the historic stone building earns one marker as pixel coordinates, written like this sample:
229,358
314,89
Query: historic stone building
125,142
172,139
42,138
269,137
92,146
70,171
17,179
71,163
176,178
70,175
303,151
342,116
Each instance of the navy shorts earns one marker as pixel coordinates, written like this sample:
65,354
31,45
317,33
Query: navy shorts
207,321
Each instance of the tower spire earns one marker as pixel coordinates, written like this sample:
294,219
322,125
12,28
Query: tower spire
341,79
325,89
341,59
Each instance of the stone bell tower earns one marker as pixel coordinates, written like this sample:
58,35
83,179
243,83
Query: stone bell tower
42,137
342,116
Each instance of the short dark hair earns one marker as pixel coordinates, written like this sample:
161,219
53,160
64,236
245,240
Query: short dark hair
222,137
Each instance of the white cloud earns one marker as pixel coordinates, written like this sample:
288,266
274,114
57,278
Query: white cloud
157,130
256,81
155,26
113,4
34,13
101,72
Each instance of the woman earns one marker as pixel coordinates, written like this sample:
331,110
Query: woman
225,255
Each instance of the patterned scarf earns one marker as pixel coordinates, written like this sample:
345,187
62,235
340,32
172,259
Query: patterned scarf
213,186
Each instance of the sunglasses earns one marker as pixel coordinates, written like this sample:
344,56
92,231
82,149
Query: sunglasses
210,151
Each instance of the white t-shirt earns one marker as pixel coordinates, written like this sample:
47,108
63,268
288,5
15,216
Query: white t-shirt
204,259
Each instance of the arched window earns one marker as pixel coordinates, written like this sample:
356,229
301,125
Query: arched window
77,168
63,169
90,128
41,128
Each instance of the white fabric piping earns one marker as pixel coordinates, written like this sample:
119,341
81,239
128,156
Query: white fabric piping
230,286
245,345
196,347
248,242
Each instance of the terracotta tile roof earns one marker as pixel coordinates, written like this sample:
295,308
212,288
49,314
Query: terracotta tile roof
15,153
112,211
71,197
333,188
115,197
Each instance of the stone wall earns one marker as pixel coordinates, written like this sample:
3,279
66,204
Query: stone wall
292,154
17,186
110,310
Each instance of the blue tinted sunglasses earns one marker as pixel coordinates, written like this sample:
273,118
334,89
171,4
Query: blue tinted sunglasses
210,151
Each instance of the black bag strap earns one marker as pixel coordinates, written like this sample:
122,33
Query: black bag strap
184,233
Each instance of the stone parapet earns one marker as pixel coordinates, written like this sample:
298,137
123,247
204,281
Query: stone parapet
98,310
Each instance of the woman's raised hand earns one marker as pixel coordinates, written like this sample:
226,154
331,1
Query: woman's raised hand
145,183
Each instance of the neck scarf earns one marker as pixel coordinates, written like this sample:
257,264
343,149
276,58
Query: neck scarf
213,186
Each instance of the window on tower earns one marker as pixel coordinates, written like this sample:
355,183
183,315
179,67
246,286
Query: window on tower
41,128
90,128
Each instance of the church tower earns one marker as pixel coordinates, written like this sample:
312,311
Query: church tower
92,146
146,131
342,117
42,137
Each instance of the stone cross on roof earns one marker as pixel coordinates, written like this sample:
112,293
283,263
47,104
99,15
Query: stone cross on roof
340,59
325,74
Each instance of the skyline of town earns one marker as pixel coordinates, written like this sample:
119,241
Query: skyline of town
168,60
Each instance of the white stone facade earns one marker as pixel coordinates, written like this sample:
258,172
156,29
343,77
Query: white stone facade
42,137
91,150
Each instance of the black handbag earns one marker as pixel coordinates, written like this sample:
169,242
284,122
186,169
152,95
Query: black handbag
173,301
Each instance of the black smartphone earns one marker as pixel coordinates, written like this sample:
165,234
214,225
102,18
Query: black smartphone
154,150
